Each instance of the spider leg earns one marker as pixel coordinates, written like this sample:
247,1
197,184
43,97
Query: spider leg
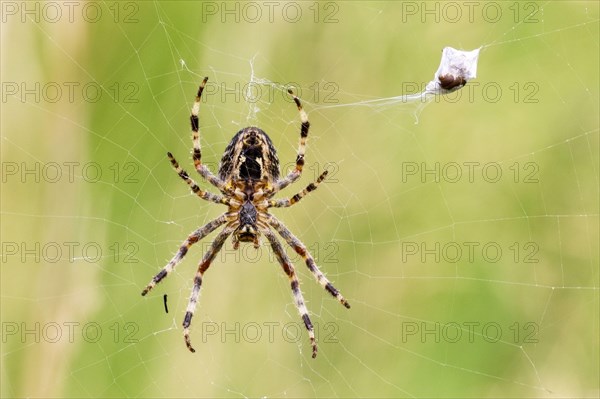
285,202
297,172
288,268
301,250
193,238
209,256
205,195
197,153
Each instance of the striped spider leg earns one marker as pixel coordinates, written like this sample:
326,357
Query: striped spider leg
295,174
209,256
289,270
197,150
193,238
301,250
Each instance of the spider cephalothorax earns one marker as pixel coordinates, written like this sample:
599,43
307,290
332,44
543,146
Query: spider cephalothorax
248,179
248,214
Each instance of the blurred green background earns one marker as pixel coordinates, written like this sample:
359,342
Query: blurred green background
94,94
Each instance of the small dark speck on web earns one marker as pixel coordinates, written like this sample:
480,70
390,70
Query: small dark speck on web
165,300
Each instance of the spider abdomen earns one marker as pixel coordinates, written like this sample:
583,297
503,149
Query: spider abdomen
250,156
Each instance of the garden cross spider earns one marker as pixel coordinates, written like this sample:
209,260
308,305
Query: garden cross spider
248,178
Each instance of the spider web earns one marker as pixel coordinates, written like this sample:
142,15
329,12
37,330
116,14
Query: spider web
462,229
